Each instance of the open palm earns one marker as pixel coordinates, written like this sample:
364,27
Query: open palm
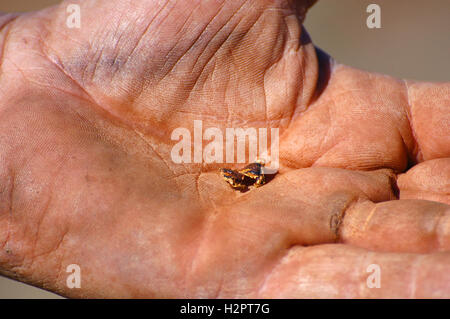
87,177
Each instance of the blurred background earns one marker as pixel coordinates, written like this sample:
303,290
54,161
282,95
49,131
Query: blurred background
413,43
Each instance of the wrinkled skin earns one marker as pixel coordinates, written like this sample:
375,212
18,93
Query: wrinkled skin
86,176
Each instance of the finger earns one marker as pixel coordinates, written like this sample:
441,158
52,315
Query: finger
342,271
246,233
398,226
365,121
357,122
429,112
429,180
302,207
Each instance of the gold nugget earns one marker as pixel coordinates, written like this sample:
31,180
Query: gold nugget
250,175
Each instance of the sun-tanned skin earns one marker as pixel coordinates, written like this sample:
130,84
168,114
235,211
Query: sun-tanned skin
86,176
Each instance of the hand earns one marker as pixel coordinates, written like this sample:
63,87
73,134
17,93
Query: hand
87,178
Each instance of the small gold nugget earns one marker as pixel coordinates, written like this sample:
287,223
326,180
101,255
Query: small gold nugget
250,175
